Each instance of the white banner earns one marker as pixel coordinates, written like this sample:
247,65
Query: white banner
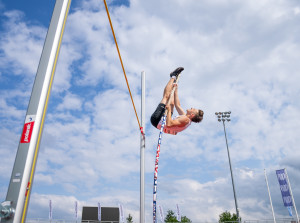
121,213
178,213
99,211
162,217
50,209
76,210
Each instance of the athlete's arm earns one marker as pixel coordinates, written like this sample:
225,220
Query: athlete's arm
181,121
177,103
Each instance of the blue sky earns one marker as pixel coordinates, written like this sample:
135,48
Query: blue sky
240,56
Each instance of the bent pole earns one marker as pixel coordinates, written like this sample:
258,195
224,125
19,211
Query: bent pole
18,194
157,155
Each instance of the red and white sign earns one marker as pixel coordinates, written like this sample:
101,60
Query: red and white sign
27,130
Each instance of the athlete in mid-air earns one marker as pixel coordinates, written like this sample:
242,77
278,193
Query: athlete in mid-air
181,122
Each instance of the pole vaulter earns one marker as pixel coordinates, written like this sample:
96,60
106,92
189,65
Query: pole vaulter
158,151
162,119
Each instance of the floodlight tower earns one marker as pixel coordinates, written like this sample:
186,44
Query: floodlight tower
225,116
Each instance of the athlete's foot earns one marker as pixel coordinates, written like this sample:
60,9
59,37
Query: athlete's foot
176,72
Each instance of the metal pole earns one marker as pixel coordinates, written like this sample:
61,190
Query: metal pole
235,200
270,196
287,177
142,156
18,194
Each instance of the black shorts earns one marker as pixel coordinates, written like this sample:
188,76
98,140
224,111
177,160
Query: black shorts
157,114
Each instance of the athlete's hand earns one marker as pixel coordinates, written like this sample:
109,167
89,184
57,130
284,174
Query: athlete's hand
168,107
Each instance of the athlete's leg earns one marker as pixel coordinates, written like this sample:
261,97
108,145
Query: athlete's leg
172,102
169,86
158,113
167,91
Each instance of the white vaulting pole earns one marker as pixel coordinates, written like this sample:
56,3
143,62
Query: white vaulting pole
287,177
158,151
270,196
142,156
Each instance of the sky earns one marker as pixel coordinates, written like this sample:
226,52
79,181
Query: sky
239,56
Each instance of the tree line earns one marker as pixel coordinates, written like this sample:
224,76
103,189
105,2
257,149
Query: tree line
170,218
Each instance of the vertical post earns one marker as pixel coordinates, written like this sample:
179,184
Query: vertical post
18,194
235,200
50,211
270,196
76,210
287,177
143,146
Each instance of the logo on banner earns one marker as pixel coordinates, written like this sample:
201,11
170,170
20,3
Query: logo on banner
284,188
27,129
290,211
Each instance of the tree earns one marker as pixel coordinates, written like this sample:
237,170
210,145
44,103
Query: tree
170,218
129,219
227,217
185,219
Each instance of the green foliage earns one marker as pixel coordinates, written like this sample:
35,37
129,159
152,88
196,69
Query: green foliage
227,217
170,218
129,219
185,219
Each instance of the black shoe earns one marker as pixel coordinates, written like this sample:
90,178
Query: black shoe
176,72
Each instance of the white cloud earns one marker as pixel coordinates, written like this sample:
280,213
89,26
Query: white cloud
21,44
70,102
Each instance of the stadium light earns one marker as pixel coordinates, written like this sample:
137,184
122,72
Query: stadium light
225,116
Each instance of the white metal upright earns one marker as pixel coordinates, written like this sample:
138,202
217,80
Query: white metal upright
142,156
270,196
17,199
